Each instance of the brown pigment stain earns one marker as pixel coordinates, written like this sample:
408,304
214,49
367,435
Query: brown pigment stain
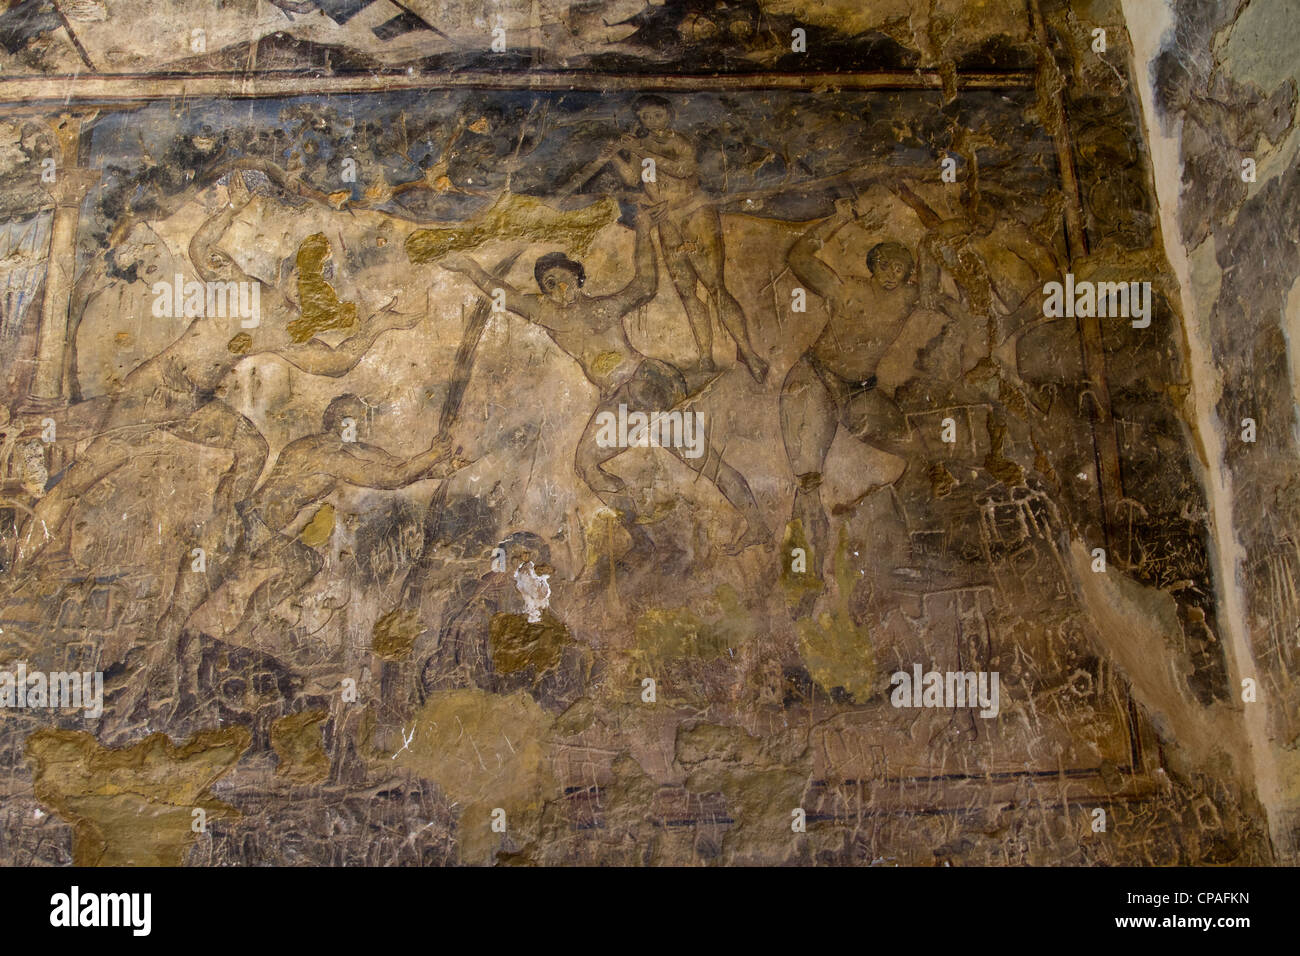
318,530
517,645
516,217
486,751
296,740
320,306
395,633
837,651
132,806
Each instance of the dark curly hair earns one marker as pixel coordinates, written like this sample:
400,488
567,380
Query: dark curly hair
890,250
339,409
558,260
650,99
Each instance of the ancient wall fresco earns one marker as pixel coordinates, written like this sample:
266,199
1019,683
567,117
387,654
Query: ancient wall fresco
614,432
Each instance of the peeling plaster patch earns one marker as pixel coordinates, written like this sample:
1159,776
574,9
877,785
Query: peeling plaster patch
535,589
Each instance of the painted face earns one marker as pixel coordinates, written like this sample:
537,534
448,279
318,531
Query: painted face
560,286
653,118
890,273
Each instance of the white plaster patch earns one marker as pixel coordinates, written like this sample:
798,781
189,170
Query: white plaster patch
536,591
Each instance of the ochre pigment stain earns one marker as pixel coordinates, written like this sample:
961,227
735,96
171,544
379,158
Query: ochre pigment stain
516,217
296,740
395,634
133,806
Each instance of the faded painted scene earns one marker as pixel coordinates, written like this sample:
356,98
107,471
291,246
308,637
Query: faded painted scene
624,433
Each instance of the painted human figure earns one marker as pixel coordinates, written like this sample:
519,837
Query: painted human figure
690,230
833,385
306,471
177,391
590,330
999,268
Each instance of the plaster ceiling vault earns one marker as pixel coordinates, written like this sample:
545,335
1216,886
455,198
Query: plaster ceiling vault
648,432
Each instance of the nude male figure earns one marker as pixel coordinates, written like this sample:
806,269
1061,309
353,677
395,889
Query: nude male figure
834,383
590,330
999,268
690,230
178,390
306,471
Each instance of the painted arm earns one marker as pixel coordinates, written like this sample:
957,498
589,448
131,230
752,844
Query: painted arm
678,159
929,269
927,273
929,218
515,301
1043,260
369,466
211,263
628,172
83,293
645,283
319,358
810,270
